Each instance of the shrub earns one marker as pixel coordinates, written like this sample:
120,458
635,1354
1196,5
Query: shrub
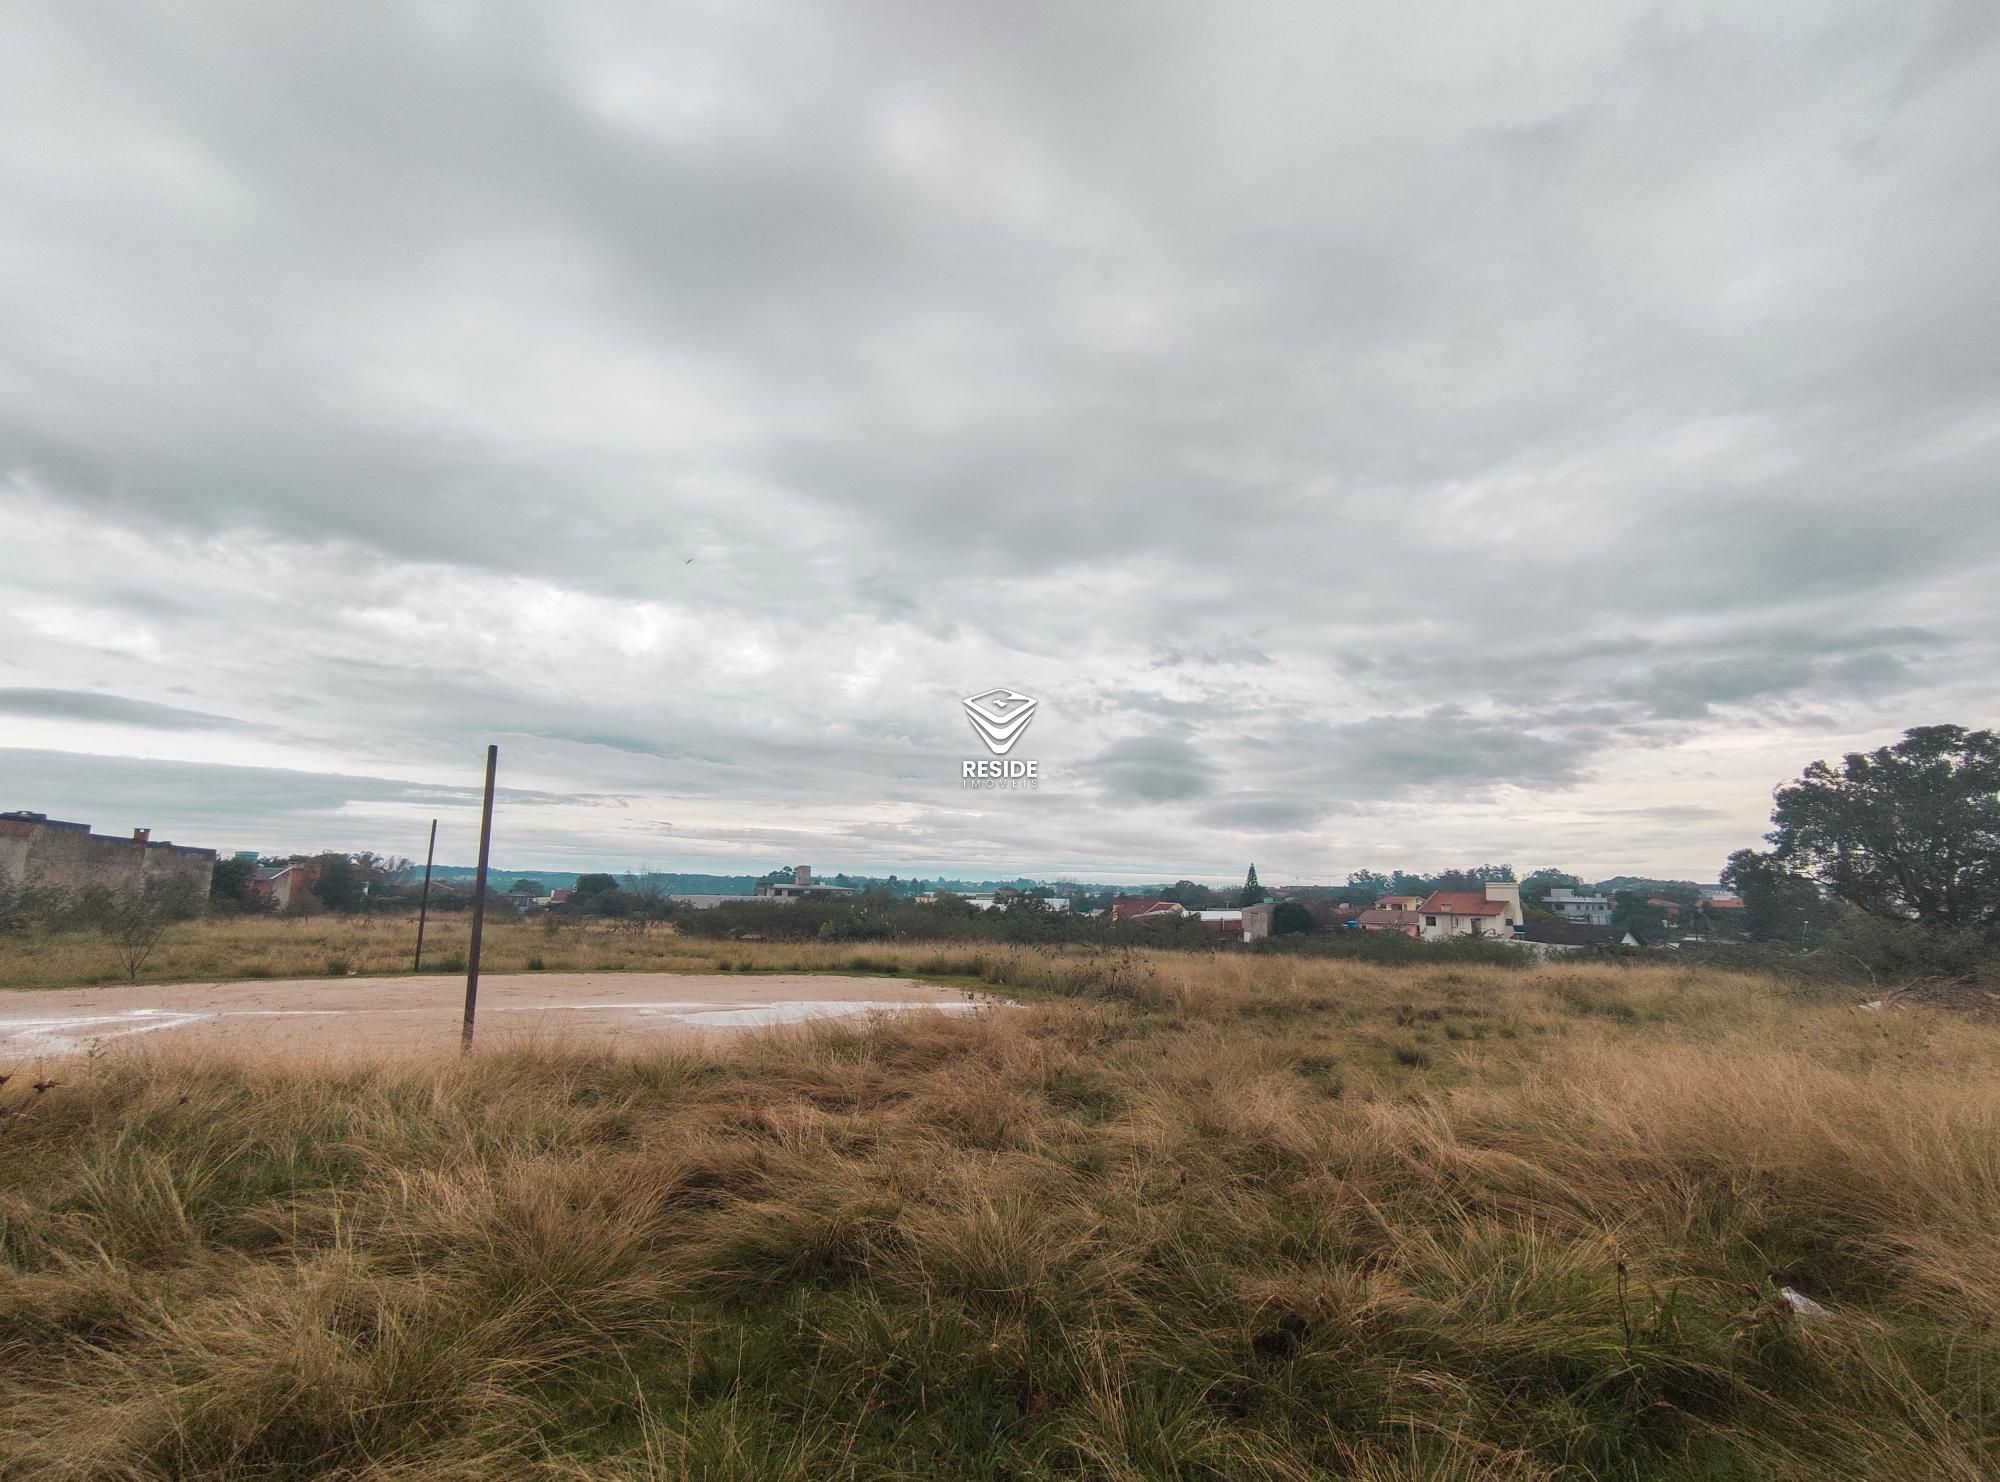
135,920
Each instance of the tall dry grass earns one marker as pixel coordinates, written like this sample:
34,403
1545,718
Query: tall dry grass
1222,1218
228,948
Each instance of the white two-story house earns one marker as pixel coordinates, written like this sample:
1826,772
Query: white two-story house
1492,912
1580,906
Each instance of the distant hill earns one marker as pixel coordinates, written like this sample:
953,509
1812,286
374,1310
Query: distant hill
1649,887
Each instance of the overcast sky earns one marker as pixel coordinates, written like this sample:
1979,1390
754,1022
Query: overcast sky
1376,434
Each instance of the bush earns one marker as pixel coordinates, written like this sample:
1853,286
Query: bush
948,920
29,907
1861,950
1901,950
136,920
1393,946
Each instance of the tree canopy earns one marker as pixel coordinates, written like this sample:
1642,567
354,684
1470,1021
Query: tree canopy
1252,891
1909,831
1290,919
1778,906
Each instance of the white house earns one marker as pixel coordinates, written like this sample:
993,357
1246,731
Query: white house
1493,912
1580,907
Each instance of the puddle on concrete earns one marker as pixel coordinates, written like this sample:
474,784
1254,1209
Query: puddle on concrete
67,1035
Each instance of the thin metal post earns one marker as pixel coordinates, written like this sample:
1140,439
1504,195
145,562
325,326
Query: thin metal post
479,901
424,906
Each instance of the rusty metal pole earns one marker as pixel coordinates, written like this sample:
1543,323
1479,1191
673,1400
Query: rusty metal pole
424,905
479,902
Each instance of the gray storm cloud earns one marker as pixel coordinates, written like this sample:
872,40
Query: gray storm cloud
1395,435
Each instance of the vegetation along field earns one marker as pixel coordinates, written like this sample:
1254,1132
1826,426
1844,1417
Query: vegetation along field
1179,1215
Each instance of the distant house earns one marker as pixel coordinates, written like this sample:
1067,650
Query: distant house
1493,912
1722,901
1398,902
1000,900
1384,918
1671,910
1144,907
277,886
1584,908
1224,924
802,886
1257,920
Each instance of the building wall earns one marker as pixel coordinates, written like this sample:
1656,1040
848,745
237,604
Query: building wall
1583,912
46,851
280,890
13,851
1448,925
1257,922
1586,910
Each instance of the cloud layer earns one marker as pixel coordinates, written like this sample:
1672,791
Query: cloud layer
1375,436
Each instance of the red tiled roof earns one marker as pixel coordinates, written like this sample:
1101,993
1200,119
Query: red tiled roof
1461,903
1128,906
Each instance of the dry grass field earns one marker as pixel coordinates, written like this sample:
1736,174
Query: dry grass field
1179,1216
223,948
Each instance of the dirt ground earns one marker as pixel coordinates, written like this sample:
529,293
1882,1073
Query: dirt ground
422,1014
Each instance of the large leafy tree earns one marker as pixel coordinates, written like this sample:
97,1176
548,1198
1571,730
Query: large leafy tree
1291,918
1909,831
339,884
1369,882
1195,897
1632,911
1778,906
229,887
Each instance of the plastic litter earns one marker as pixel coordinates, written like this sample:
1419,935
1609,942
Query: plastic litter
1803,1305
